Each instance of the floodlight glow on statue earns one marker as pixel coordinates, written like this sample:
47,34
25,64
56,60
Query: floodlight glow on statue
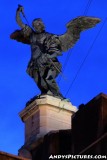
44,66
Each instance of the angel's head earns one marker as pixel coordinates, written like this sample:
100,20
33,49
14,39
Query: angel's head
38,25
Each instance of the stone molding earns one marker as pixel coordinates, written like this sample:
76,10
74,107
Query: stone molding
46,100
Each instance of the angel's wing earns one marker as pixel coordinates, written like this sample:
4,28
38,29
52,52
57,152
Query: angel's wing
74,29
19,36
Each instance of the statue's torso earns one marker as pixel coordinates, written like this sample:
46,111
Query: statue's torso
39,46
38,40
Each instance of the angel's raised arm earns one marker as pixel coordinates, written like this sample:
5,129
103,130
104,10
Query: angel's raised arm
18,17
26,29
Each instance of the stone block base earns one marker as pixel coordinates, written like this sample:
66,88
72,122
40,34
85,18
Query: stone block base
45,114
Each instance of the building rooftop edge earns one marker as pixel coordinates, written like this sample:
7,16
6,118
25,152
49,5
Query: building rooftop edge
12,155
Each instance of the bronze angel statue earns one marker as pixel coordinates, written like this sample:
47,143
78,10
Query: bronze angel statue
44,66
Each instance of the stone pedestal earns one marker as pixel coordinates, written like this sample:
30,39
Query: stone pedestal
45,114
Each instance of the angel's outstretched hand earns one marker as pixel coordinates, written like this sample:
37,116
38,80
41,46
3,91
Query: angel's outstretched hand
20,8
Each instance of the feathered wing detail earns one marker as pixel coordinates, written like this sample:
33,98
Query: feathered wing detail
74,29
19,36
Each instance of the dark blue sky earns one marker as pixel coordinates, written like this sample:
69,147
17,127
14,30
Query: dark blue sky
16,87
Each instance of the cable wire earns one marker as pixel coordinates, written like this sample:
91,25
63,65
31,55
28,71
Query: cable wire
94,143
86,57
87,7
70,51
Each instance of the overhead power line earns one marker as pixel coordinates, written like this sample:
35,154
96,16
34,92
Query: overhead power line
70,51
86,57
87,7
93,144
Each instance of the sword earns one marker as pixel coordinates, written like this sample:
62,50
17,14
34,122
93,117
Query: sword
24,15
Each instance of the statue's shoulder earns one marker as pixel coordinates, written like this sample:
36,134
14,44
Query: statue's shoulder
51,35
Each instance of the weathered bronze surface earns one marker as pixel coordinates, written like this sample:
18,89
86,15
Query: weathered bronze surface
44,66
